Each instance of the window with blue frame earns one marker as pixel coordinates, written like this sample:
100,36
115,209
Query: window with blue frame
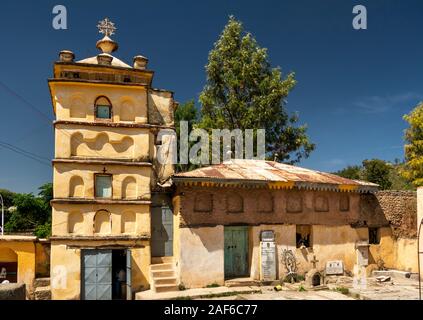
103,108
103,186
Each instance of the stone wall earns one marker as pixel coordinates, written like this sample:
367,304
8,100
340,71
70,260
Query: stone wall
397,209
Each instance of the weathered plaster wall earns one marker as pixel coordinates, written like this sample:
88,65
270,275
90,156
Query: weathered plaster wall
201,256
64,173
25,254
66,266
160,107
76,101
284,239
42,258
62,217
204,206
76,140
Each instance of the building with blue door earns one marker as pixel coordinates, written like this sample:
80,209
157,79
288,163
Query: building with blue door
112,215
308,217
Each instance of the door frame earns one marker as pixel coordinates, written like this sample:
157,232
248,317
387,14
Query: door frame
128,270
247,253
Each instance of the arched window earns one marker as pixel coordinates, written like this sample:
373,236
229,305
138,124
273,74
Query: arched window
102,222
103,108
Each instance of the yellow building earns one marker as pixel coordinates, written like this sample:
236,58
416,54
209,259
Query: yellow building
22,259
107,180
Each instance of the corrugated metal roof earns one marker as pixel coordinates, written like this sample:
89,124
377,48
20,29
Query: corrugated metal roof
245,171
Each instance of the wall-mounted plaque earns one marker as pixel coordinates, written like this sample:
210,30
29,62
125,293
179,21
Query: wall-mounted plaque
334,267
268,260
267,235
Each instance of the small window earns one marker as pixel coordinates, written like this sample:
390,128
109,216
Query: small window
103,186
303,236
103,112
374,236
103,108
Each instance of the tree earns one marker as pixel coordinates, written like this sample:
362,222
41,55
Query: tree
244,92
386,174
8,197
377,171
32,213
350,172
413,168
185,112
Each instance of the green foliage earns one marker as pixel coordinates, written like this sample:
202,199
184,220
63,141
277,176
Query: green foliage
342,290
377,171
8,203
350,172
213,285
43,230
185,112
301,289
32,213
413,169
244,92
386,174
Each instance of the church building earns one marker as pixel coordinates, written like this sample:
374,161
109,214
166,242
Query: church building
108,184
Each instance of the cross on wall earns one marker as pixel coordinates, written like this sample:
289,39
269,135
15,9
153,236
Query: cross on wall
314,261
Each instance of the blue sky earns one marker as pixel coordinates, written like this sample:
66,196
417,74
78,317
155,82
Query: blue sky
353,86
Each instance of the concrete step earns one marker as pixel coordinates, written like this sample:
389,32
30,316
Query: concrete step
42,293
398,274
161,266
163,273
41,282
158,260
165,280
166,287
242,282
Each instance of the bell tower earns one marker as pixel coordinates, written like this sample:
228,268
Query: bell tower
105,171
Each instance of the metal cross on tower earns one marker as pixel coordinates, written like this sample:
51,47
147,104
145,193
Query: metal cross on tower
106,27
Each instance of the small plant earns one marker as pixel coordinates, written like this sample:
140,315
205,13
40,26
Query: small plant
299,278
181,287
301,289
291,278
342,290
213,285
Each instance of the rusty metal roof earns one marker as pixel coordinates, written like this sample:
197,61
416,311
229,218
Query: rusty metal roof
260,171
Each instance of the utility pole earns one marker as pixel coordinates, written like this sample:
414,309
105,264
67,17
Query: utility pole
2,214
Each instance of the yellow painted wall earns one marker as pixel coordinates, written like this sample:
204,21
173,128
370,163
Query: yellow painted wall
64,172
399,254
75,101
25,252
66,266
62,215
76,140
201,256
42,259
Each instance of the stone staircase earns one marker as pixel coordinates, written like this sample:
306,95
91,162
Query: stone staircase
42,289
163,277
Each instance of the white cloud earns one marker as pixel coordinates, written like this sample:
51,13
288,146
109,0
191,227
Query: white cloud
380,104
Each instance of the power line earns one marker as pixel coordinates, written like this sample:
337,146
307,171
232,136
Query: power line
24,153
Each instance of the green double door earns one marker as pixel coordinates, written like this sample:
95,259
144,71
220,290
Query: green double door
236,252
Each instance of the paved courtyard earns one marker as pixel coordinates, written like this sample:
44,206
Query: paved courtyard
395,289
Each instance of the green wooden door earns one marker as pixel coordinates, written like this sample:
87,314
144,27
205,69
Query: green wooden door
236,252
